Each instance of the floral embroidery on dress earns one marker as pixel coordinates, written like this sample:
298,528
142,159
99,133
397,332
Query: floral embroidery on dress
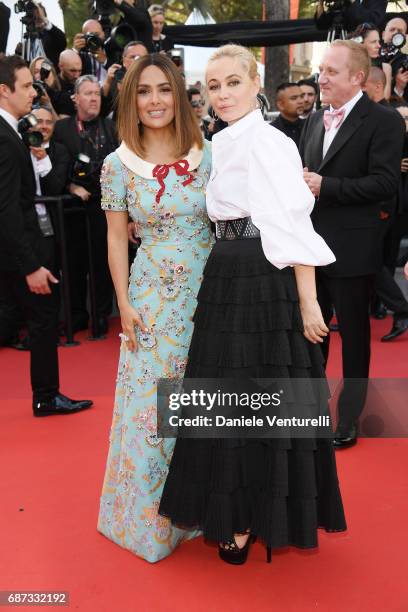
164,281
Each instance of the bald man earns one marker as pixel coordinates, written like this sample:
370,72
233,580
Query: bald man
375,85
70,69
70,66
397,25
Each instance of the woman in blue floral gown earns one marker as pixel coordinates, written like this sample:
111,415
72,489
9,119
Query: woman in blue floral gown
158,177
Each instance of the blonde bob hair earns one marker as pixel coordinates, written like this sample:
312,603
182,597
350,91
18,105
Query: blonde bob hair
186,130
244,55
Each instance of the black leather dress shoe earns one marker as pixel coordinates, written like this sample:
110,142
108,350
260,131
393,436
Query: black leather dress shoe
103,326
21,344
380,311
400,326
345,438
60,404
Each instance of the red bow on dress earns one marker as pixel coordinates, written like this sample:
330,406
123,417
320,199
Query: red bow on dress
161,171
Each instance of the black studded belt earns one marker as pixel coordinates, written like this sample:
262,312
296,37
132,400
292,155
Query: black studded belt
236,229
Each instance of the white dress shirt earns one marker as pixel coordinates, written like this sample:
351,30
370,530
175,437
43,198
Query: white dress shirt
257,172
331,134
42,167
12,121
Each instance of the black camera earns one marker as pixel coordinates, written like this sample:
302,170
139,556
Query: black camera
120,74
104,7
82,167
92,42
24,6
29,8
391,49
39,87
30,138
45,70
177,56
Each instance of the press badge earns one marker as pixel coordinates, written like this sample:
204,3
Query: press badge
44,220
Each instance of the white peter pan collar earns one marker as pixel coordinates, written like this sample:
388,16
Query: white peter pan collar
145,169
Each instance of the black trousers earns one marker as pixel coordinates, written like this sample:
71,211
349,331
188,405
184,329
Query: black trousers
386,288
78,261
41,315
351,299
399,230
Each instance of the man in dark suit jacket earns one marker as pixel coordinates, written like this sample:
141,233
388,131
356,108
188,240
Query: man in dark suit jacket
27,271
351,167
94,136
289,102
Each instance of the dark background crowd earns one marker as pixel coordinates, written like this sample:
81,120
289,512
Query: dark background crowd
75,111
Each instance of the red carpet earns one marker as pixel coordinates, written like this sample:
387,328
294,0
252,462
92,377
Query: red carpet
51,477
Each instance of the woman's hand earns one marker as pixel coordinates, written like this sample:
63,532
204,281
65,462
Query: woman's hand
314,326
130,319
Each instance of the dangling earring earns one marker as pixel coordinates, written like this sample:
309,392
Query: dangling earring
212,114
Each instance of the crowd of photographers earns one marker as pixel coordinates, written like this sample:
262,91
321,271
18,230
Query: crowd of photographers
72,129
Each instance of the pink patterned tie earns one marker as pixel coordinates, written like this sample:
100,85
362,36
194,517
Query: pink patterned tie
333,118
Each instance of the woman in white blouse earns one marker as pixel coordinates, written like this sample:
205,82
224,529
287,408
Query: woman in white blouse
257,317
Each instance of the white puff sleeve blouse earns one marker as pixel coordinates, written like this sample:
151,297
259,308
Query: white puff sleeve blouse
257,172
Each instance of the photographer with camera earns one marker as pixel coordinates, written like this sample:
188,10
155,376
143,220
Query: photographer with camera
27,246
89,138
52,38
133,50
134,14
350,13
50,160
70,69
90,46
46,82
393,37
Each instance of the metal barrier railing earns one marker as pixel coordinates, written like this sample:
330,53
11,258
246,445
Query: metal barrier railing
76,207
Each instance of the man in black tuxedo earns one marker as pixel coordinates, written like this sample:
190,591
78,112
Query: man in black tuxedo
89,134
27,270
51,164
352,156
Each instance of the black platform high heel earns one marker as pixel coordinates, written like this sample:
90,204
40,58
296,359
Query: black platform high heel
231,553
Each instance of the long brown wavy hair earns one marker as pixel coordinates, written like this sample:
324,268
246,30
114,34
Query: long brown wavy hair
186,130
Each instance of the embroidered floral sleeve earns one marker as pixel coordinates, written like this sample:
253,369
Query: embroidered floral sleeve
113,185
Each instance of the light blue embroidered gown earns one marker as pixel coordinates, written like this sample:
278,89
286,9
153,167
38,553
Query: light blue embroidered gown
164,281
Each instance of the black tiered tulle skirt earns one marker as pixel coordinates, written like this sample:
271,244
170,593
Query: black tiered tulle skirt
248,325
